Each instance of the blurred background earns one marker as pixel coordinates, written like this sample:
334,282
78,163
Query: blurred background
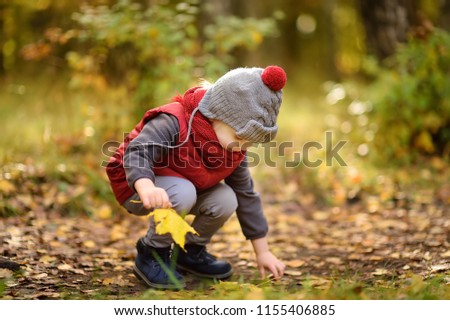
75,75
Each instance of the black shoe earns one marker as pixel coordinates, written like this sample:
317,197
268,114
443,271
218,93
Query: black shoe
200,263
153,272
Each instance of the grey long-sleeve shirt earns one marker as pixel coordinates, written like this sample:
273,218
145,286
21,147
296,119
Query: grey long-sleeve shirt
164,130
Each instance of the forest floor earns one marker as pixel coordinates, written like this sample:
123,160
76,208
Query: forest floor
80,257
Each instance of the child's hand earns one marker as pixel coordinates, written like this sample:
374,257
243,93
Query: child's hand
152,196
266,260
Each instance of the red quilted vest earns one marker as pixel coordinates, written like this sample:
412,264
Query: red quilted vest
185,161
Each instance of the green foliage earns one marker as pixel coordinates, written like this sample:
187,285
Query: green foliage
2,287
156,51
412,101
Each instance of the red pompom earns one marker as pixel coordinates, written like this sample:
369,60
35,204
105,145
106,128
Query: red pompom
274,77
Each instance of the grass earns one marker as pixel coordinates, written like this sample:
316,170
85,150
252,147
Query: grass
341,288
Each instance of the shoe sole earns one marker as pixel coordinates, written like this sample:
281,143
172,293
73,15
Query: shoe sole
205,275
142,277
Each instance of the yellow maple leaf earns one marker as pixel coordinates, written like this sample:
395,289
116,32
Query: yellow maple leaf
169,221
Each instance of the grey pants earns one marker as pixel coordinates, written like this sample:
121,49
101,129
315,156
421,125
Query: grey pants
211,207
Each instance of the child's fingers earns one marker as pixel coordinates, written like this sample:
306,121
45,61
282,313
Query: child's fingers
274,271
281,268
146,203
159,203
262,272
154,201
278,269
165,201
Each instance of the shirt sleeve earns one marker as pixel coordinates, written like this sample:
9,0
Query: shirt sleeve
249,212
149,147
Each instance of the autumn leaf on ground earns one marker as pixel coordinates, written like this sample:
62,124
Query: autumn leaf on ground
169,221
5,273
64,267
249,291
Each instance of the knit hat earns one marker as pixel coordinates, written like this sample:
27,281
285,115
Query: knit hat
248,100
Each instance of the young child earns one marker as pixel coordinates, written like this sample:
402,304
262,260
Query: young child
177,157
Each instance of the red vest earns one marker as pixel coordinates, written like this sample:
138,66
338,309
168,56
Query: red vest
184,161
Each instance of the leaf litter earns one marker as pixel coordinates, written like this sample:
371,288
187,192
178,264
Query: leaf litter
87,257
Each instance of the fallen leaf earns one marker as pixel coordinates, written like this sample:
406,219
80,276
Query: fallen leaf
40,276
109,251
380,272
5,273
62,198
427,256
55,244
295,263
355,256
63,230
89,244
47,259
117,233
42,295
104,212
321,215
433,243
78,271
27,200
245,255
64,267
119,281
107,281
7,187
393,224
294,273
395,255
334,260
376,258
320,283
440,267
14,231
253,292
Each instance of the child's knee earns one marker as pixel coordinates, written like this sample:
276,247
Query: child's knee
183,197
226,203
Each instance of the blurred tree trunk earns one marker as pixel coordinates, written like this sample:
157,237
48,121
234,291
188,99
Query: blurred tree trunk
211,9
387,23
2,38
444,19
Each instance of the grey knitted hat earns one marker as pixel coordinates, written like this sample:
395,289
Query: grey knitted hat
248,100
